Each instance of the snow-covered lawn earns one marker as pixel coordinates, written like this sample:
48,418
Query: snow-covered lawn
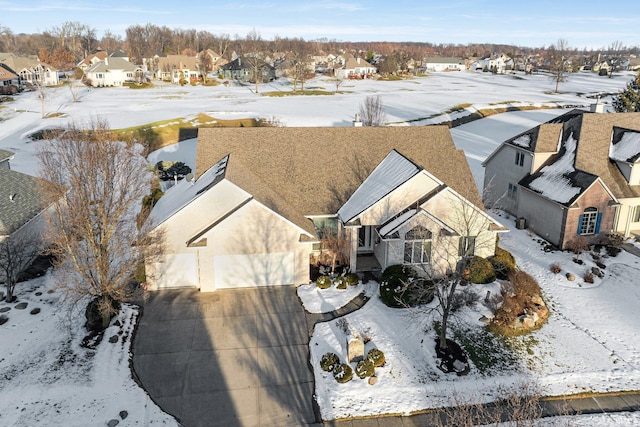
48,379
316,300
589,344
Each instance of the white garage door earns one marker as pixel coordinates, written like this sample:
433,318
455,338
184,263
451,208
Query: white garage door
251,270
177,271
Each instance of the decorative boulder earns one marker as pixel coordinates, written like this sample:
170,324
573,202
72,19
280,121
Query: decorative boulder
355,349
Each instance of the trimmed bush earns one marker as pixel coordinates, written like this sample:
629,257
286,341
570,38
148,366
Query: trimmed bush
365,368
376,357
352,279
323,282
343,373
340,283
555,268
393,286
329,361
503,262
481,271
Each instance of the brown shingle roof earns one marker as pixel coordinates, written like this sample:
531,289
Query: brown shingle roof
313,171
593,150
548,138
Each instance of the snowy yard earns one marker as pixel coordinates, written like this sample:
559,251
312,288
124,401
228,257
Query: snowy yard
49,379
589,344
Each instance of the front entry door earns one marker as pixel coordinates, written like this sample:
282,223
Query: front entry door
365,239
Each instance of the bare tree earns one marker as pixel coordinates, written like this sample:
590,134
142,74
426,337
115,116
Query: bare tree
254,55
443,257
337,81
16,253
98,184
205,63
558,62
334,246
372,111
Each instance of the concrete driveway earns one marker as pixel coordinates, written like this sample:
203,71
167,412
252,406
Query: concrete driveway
228,358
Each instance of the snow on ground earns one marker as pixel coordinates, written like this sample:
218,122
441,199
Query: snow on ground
588,345
49,379
416,101
316,300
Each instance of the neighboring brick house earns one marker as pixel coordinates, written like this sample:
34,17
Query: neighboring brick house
578,174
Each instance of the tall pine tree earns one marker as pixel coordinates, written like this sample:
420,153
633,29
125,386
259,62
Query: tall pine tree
628,101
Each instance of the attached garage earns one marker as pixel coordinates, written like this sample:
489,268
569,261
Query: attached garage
176,271
253,270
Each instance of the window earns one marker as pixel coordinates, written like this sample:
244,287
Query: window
512,192
417,246
636,214
467,246
519,158
589,221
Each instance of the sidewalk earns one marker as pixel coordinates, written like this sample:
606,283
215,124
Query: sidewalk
596,404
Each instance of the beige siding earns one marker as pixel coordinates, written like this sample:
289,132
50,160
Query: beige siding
545,218
500,171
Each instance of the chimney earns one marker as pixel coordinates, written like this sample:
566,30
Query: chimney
357,122
597,107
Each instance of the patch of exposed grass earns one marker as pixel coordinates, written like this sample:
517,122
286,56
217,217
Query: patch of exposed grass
458,107
53,115
138,85
488,352
297,93
162,133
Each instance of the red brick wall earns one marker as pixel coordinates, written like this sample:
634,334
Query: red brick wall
597,197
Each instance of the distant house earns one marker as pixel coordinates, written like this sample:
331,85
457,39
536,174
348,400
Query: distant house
576,175
98,56
217,61
8,78
442,63
29,70
177,69
355,68
112,72
243,69
5,158
259,207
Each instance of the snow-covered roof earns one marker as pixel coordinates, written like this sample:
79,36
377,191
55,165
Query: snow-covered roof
184,192
559,180
626,145
392,225
523,141
393,171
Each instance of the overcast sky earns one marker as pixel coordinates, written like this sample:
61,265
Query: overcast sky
533,23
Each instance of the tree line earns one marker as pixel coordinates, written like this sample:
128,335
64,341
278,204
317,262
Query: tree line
74,41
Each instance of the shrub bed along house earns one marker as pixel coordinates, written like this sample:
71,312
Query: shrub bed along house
481,270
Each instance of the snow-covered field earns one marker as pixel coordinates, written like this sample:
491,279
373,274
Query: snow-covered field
590,342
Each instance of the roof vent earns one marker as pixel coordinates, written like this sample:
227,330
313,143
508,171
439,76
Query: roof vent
12,197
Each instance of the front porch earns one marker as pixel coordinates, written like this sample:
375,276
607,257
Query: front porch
368,263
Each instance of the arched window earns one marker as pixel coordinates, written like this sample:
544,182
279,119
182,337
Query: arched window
417,246
589,221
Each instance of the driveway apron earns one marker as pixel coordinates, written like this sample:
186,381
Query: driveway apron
229,358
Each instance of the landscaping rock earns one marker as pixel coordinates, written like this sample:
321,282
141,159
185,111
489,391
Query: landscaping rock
38,293
123,414
373,380
35,310
21,305
571,277
113,423
3,319
4,309
597,272
485,319
113,339
355,349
